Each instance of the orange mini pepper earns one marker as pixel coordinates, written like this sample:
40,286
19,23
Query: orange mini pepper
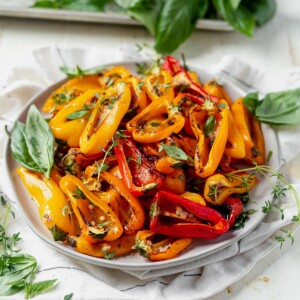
159,85
250,129
218,187
156,122
163,249
119,247
112,76
215,89
96,219
133,215
210,125
54,208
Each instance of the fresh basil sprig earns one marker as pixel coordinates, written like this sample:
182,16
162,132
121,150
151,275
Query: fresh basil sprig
32,144
78,72
281,108
173,21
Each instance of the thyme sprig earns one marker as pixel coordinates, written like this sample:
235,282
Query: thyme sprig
279,189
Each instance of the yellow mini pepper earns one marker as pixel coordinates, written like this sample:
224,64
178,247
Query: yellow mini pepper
105,119
54,208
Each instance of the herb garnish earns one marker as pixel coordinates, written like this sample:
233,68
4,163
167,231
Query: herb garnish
78,72
77,114
17,269
173,151
32,144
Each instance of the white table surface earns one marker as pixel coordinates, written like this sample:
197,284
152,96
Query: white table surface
275,47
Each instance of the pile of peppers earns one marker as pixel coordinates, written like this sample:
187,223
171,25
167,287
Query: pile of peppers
145,163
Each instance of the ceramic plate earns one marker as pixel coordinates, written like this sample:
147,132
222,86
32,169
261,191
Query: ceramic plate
199,249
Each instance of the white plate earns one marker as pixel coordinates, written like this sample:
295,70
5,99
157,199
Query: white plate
199,249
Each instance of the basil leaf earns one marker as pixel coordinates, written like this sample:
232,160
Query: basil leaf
202,8
39,140
82,5
77,114
68,297
58,234
240,18
235,3
19,147
78,72
176,23
262,10
22,265
251,102
281,108
209,126
145,11
37,288
174,152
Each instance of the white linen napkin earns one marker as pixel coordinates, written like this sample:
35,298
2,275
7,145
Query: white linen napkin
197,280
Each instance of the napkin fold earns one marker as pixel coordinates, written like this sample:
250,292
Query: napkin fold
196,280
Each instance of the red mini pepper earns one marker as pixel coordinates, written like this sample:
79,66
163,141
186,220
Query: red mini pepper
173,215
235,206
171,64
138,173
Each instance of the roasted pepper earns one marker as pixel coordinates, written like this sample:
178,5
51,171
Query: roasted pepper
133,215
235,146
250,129
175,216
113,75
156,122
235,207
213,88
159,85
69,91
122,246
69,123
174,182
183,82
105,119
54,208
163,249
210,125
218,187
96,219
194,197
139,174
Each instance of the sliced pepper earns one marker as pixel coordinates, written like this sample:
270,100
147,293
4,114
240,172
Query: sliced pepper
173,215
184,83
250,129
133,215
66,125
156,122
54,208
235,206
122,246
159,85
139,174
163,249
69,91
96,219
174,182
112,76
235,146
210,125
105,119
213,88
218,187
